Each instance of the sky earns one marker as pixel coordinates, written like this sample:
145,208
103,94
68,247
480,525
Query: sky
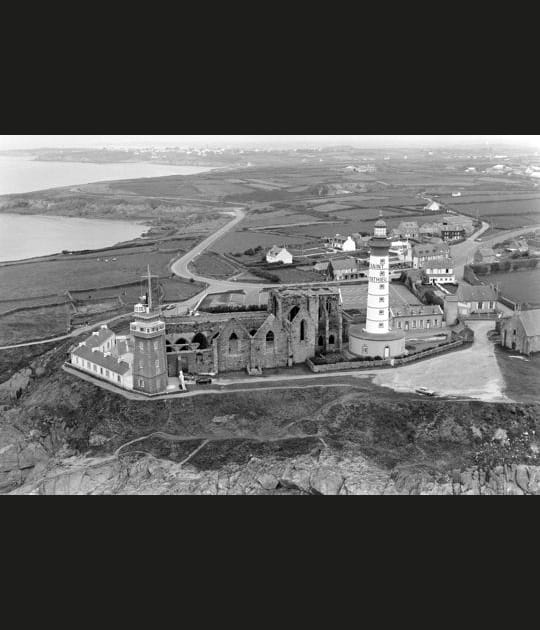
8,142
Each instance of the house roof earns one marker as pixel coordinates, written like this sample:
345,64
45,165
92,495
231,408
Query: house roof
452,227
439,263
469,293
485,252
275,250
97,357
343,263
98,337
431,249
420,310
408,225
530,321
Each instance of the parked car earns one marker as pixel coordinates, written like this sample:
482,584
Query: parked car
203,380
425,391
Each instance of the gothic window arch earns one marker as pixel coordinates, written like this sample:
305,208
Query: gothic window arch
293,312
303,330
270,340
181,341
201,339
233,343
331,339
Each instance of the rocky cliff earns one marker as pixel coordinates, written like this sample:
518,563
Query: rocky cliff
61,435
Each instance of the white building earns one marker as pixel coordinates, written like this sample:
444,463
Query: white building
433,206
343,243
97,356
279,254
441,271
403,250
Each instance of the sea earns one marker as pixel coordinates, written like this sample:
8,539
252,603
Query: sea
28,236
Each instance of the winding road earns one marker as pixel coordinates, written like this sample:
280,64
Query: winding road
462,253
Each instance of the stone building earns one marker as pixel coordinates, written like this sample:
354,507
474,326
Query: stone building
344,269
484,255
297,324
423,254
521,331
421,317
452,231
470,300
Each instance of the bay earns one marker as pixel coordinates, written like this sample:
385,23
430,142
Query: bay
30,235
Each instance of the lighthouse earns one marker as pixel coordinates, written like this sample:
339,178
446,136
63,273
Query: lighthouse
376,340
378,307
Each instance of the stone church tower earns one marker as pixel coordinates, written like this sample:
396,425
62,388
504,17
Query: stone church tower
149,358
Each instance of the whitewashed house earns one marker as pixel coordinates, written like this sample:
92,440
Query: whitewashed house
440,271
433,206
279,254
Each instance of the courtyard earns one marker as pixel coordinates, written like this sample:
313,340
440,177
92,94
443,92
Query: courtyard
473,372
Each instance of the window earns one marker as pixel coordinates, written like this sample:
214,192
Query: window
399,324
303,330
141,382
331,339
514,331
381,287
381,299
293,312
421,323
233,343
381,312
381,324
101,370
107,374
141,346
157,364
270,340
480,305
364,349
321,341
414,323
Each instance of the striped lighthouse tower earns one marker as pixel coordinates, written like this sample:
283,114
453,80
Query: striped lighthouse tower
378,312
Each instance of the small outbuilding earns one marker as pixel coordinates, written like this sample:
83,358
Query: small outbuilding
521,331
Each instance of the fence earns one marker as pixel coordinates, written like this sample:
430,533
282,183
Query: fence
384,363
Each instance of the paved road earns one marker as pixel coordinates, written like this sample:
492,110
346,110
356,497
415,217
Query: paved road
463,252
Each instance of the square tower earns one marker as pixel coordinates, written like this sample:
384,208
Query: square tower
149,354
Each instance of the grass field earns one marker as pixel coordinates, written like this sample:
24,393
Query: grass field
55,277
235,242
211,265
34,324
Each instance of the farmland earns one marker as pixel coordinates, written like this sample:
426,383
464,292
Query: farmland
211,265
38,323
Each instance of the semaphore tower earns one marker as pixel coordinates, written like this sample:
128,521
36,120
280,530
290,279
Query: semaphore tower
149,358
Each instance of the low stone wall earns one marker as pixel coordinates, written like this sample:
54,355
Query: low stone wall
384,363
